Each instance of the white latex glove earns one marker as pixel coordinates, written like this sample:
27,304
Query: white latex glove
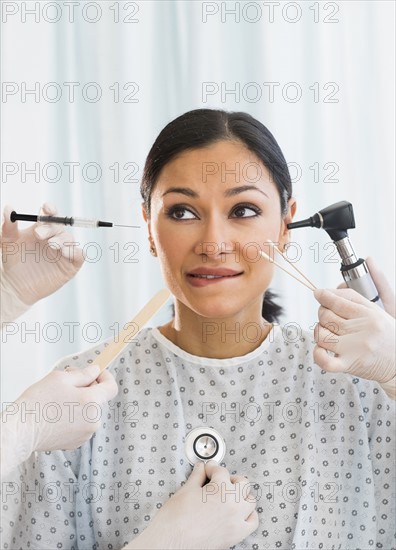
358,332
28,277
64,417
387,296
202,517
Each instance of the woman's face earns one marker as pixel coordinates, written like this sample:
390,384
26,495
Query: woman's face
210,222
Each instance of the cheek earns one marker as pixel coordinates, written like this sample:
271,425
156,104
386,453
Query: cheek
169,238
271,226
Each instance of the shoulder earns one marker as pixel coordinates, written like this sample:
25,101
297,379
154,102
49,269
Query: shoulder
81,359
294,345
292,342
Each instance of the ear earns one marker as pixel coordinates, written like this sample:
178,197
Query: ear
285,232
146,219
144,212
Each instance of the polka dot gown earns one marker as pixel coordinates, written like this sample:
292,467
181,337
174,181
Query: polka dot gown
318,448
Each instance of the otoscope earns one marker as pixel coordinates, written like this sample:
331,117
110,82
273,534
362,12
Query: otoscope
336,219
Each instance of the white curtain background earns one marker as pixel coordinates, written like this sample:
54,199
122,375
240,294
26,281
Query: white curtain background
161,63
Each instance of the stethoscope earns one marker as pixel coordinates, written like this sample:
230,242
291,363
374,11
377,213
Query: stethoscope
204,444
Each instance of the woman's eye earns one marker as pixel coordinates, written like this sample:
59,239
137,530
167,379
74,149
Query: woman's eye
176,213
243,207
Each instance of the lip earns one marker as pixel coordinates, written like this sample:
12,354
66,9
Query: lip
224,275
220,272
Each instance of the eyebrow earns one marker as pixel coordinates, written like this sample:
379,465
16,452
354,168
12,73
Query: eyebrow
228,193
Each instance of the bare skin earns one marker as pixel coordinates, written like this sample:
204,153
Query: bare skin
216,231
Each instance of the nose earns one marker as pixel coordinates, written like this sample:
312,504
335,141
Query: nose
215,239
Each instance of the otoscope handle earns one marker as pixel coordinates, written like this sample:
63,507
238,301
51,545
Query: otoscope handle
358,277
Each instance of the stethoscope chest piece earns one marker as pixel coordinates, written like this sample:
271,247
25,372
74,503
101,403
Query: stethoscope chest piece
204,444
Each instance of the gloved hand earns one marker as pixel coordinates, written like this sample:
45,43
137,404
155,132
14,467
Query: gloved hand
28,277
202,517
63,416
358,332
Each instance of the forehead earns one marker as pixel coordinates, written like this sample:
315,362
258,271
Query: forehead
224,162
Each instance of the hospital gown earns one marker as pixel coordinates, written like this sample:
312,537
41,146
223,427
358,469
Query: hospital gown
318,448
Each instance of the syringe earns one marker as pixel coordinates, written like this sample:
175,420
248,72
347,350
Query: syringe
76,222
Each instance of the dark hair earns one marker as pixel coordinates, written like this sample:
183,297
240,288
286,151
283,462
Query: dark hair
203,127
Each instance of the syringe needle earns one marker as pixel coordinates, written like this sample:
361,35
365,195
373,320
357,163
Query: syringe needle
135,226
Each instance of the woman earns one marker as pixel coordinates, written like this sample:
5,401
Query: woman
315,445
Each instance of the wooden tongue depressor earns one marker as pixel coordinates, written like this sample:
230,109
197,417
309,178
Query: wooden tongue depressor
114,348
312,287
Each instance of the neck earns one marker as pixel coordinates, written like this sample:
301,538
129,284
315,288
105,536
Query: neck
217,337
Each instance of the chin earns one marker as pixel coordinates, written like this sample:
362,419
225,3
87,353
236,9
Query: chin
219,305
215,309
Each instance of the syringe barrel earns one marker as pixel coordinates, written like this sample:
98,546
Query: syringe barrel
52,219
84,222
